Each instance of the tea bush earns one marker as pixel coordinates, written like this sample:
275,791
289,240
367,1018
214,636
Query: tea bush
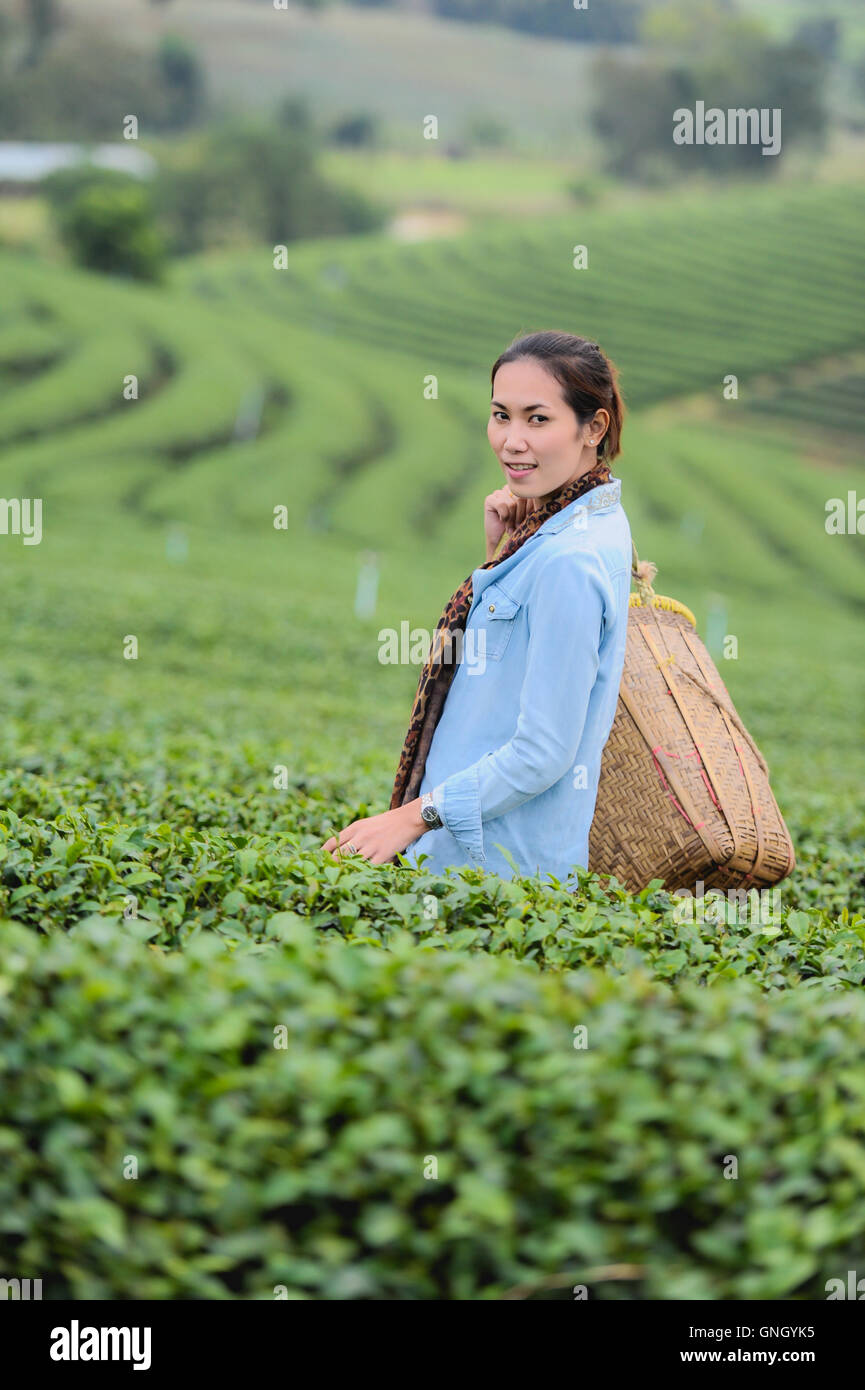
340,1121
169,882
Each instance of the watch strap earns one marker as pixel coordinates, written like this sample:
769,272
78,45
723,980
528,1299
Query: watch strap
427,803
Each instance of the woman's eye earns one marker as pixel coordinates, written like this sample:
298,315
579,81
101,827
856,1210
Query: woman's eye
538,417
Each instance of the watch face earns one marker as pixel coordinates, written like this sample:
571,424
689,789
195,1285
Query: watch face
430,815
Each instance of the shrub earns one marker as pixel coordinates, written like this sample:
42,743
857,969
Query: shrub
303,1165
195,861
110,228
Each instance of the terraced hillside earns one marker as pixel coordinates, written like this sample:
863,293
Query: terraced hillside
305,387
161,428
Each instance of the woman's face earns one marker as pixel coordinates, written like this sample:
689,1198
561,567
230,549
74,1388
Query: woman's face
532,424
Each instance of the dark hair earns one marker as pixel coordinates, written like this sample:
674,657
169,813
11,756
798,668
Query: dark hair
589,380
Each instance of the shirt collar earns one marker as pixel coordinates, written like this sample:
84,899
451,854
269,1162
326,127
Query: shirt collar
601,498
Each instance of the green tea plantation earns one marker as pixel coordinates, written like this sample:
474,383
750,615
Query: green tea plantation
235,1069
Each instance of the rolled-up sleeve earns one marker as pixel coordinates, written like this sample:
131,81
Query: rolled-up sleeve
567,607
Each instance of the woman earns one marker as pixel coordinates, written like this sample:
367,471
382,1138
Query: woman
501,762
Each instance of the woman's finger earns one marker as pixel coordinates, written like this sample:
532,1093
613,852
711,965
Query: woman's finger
349,843
503,507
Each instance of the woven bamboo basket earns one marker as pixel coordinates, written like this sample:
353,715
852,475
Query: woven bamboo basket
684,791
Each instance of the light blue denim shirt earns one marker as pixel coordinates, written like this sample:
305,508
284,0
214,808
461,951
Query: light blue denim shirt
516,754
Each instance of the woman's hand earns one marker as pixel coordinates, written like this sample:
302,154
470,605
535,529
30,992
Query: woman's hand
503,512
379,838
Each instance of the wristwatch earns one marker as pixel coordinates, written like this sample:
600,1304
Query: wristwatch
429,814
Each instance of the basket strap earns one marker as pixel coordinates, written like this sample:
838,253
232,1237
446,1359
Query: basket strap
755,809
722,705
730,713
647,593
663,664
676,781
643,574
725,707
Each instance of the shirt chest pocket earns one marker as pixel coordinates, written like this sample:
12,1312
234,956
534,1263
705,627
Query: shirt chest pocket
496,619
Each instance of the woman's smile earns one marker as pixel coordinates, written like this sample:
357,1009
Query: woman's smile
516,472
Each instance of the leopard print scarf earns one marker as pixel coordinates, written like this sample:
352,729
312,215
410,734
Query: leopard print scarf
436,676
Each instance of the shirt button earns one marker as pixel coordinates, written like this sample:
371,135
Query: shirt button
492,608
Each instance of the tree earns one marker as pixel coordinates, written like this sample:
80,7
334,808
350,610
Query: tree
823,34
632,112
484,131
42,18
62,188
110,228
635,98
357,132
614,21
273,172
196,199
81,88
293,111
696,27
182,78
247,179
